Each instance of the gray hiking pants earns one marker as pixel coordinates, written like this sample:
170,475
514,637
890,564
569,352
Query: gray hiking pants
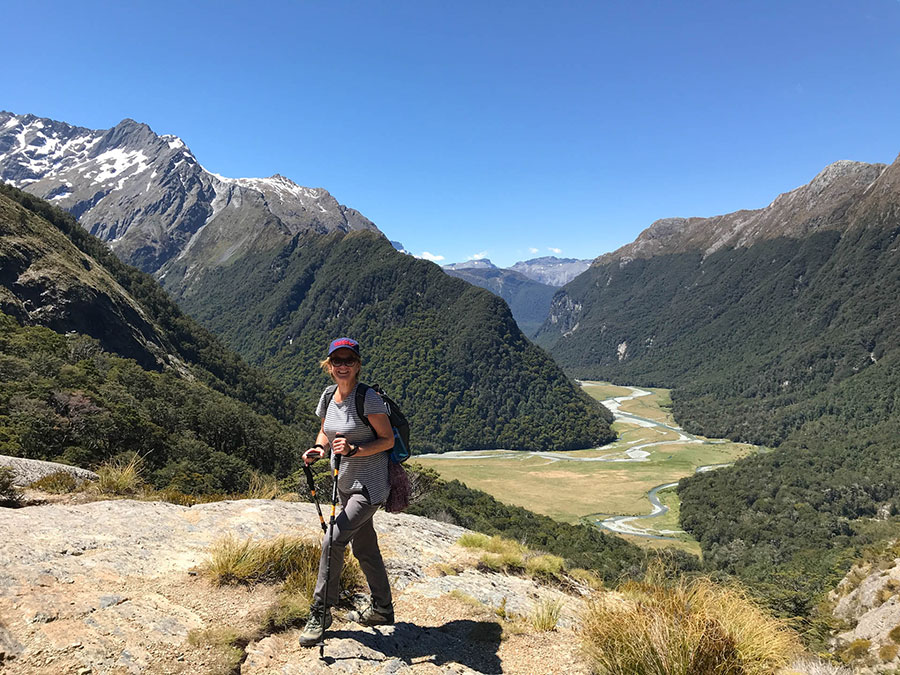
354,524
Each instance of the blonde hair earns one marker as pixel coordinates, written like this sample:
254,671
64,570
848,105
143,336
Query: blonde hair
325,365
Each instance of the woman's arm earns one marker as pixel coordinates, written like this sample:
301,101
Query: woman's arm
384,439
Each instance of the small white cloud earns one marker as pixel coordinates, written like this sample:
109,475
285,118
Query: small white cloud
430,256
478,256
532,249
557,251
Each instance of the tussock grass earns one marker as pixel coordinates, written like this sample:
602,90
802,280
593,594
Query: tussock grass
545,614
232,560
854,651
683,627
506,555
545,565
888,652
121,476
225,648
292,560
262,486
59,482
291,610
587,578
894,634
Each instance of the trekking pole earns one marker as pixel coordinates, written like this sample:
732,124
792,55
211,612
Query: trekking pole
312,490
334,498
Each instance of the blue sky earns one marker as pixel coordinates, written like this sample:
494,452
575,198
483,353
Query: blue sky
509,129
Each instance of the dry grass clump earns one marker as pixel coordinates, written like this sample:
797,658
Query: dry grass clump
684,627
232,560
121,476
225,645
506,555
262,486
545,565
854,651
894,634
888,652
545,614
58,482
291,560
587,578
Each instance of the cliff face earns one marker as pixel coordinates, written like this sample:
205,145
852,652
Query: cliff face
111,587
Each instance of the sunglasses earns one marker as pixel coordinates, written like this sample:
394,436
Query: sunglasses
343,362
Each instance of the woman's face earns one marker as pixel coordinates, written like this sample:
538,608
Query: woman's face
344,365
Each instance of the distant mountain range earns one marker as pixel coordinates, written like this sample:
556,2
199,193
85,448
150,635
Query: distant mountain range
549,270
277,270
528,286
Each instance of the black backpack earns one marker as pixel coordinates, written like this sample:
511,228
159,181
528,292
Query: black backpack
400,451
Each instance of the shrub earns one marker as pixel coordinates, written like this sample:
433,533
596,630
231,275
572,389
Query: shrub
59,482
121,476
9,493
683,627
545,614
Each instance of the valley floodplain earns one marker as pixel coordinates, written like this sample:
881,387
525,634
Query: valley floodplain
593,484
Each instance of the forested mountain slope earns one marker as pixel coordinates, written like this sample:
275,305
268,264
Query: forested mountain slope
451,353
55,274
68,394
779,326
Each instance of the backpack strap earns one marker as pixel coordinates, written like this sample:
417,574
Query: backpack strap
361,391
329,394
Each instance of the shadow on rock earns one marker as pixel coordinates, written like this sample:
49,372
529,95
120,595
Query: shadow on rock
473,644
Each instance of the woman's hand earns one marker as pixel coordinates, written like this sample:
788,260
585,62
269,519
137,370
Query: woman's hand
313,454
341,446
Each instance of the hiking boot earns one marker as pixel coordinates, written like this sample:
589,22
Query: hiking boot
315,627
371,616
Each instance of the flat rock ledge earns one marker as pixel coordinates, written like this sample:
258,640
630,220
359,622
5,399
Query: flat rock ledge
26,471
111,587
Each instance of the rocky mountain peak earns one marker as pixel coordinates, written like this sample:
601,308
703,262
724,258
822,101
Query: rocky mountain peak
551,270
149,197
819,204
480,264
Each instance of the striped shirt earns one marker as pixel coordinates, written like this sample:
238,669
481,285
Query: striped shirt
359,475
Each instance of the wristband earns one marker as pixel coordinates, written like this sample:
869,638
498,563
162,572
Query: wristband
353,450
319,446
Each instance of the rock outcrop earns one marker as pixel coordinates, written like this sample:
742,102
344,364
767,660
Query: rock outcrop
112,587
27,471
867,602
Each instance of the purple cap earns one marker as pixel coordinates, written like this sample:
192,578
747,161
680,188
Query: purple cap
343,343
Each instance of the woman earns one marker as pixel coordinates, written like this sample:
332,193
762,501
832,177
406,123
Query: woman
362,485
